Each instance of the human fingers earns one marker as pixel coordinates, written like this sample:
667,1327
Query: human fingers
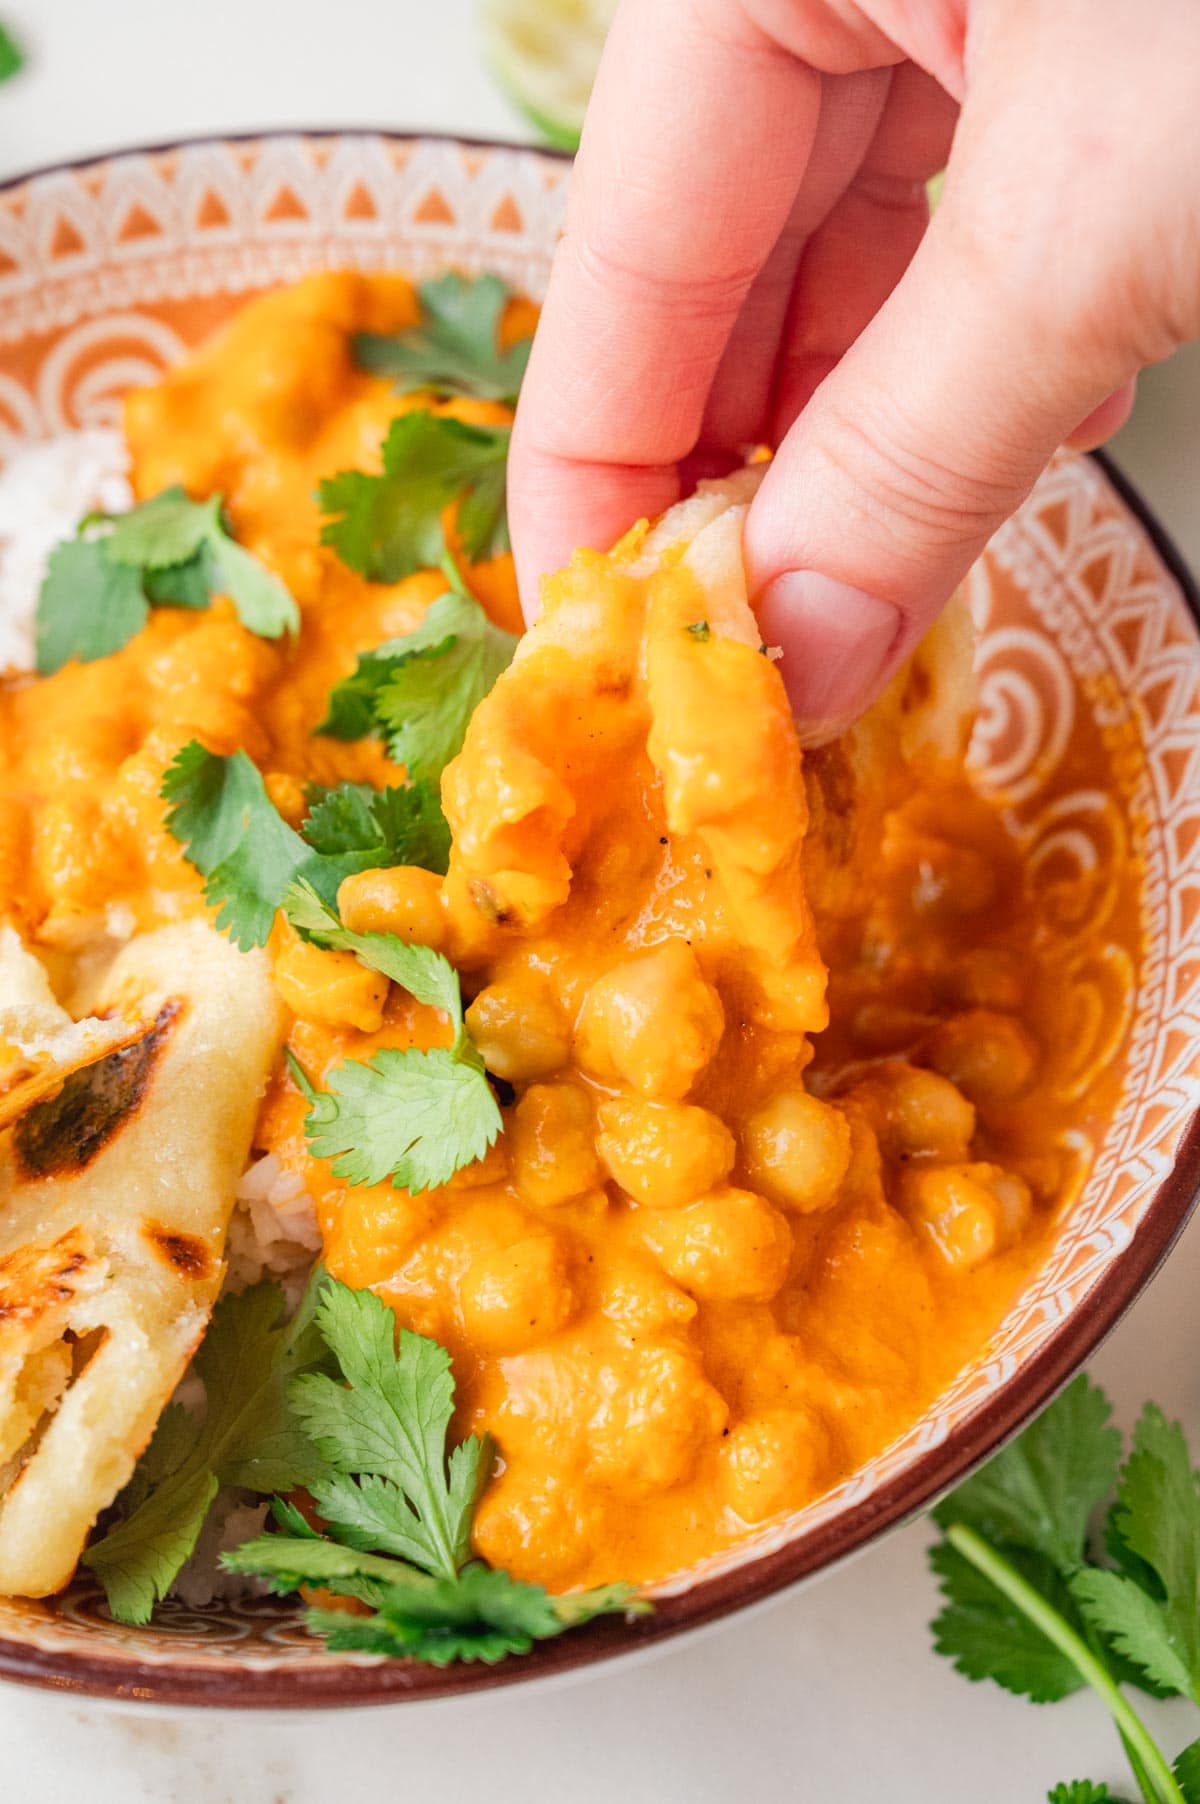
697,136
852,262
738,409
1047,278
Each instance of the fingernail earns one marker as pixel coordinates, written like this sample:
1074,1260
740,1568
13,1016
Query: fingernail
837,645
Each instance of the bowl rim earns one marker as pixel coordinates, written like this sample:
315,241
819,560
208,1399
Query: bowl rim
331,1684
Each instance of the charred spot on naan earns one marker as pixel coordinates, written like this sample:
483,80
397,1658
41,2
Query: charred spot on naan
33,1084
66,1132
185,1254
37,1281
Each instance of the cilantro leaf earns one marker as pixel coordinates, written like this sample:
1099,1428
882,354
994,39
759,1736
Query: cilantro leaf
392,1425
233,834
424,973
168,529
173,1439
168,551
88,606
403,825
11,55
1187,1772
235,837
421,690
389,525
390,1483
264,606
416,1117
1156,1521
482,1614
454,350
426,702
186,585
1136,1624
249,1437
986,1636
1082,1791
1039,1492
303,1557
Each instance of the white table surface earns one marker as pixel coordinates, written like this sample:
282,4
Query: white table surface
831,1696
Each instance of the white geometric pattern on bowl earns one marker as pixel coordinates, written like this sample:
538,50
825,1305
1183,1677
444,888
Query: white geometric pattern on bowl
1090,692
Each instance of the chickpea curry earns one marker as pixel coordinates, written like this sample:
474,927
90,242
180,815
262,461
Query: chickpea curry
775,1118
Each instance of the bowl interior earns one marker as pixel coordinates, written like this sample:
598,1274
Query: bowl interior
1089,732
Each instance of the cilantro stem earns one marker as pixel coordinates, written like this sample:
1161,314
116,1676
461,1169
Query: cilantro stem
1140,1743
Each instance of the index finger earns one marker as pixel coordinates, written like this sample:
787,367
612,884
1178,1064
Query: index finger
696,139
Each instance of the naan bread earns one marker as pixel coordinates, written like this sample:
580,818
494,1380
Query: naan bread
40,1043
115,1196
794,839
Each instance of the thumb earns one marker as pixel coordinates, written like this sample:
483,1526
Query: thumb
923,439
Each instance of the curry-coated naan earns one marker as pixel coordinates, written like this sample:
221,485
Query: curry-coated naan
115,1196
798,834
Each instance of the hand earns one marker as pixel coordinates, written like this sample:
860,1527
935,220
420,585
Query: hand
746,259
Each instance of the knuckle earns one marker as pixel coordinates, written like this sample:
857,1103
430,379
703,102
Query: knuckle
922,501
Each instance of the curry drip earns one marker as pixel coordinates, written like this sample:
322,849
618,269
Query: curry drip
788,1271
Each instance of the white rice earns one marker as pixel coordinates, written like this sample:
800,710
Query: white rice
45,490
274,1231
236,1516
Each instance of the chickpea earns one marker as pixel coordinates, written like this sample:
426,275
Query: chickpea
403,899
655,1414
729,1245
983,977
797,1149
663,1153
519,1028
990,1057
774,1462
551,1144
915,1112
527,1506
882,1027
331,988
513,1297
621,1030
642,1300
950,879
968,1212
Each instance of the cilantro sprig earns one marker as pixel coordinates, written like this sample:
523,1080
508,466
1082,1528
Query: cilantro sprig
233,834
397,1505
1031,1604
415,1116
454,350
169,551
419,691
389,525
12,57
250,1437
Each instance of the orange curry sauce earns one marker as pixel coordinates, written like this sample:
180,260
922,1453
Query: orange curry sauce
687,1289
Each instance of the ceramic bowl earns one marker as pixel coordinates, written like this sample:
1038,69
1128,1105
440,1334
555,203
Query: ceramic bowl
1089,731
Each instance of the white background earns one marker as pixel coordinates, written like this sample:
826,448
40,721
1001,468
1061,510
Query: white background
830,1696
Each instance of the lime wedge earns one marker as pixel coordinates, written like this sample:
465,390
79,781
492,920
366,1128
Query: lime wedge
544,54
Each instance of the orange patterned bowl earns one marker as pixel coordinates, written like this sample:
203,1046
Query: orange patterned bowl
1089,732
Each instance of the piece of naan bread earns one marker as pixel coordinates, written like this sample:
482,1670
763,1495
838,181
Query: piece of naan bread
605,665
115,1197
40,1044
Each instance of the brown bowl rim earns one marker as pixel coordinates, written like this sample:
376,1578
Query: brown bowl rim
329,1685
